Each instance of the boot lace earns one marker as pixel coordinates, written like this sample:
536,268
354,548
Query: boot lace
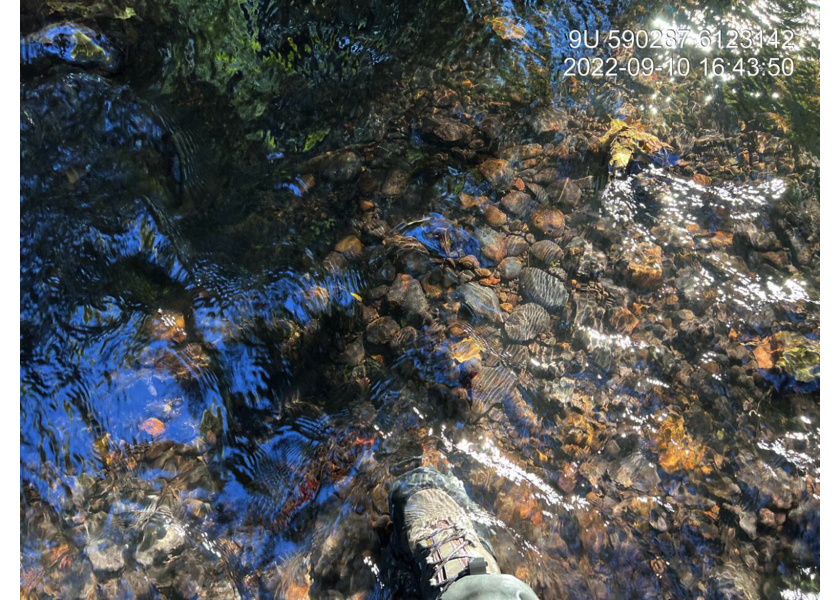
444,533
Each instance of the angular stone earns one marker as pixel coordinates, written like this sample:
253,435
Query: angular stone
406,293
493,245
350,247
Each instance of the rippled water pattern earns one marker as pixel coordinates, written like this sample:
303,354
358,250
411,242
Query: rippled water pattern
274,254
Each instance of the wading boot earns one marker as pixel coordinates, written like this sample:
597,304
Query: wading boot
432,525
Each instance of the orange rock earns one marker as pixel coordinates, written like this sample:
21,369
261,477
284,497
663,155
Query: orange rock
646,266
169,325
466,349
498,172
298,590
623,321
721,239
702,179
154,427
548,220
351,246
677,450
494,217
467,201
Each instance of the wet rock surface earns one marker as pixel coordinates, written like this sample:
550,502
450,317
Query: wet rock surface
543,288
526,322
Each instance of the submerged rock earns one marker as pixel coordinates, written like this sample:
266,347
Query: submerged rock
549,221
441,236
516,202
546,252
636,472
516,245
544,289
163,544
510,268
491,386
526,322
549,120
493,246
381,331
444,130
71,43
341,167
482,301
106,557
498,172
406,293
645,266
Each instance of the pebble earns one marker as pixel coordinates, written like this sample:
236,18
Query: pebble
544,289
381,330
351,247
510,268
498,172
549,120
526,322
516,245
548,220
406,293
469,262
565,193
547,252
516,202
395,182
493,246
353,354
646,266
105,557
445,130
481,300
494,216
341,167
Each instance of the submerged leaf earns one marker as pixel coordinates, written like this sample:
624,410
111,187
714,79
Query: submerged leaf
624,141
313,138
799,356
507,28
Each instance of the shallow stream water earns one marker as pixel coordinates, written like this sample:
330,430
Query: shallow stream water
275,254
